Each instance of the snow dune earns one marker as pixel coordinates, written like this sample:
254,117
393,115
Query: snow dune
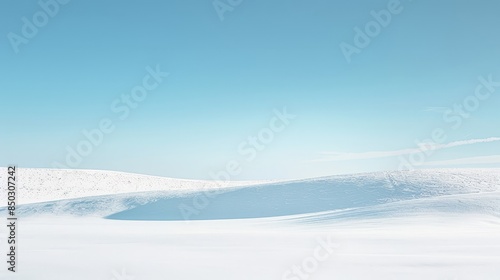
41,185
427,224
347,196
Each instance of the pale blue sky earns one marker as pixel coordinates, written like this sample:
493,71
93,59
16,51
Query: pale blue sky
227,77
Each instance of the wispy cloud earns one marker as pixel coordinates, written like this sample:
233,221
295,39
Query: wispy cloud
463,161
436,109
335,156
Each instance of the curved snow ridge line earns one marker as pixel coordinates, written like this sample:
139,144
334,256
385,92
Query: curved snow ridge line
317,195
45,185
484,204
277,199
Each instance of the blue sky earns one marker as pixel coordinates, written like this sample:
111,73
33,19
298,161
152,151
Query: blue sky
228,78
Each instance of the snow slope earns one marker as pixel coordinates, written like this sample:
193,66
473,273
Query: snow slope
39,184
394,193
428,224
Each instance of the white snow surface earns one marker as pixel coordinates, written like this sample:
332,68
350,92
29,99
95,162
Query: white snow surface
155,198
426,224
40,184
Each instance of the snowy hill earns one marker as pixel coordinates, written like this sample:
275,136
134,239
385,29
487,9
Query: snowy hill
427,224
359,195
40,185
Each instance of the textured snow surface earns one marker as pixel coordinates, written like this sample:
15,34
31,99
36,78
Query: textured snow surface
38,185
427,224
346,196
